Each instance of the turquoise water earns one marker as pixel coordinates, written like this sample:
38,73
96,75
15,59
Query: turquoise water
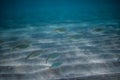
61,41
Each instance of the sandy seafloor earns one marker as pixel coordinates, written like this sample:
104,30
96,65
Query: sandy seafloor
82,51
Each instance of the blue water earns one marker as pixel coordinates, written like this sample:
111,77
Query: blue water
83,35
45,12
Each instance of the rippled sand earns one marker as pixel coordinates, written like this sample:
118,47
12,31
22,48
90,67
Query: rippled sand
84,50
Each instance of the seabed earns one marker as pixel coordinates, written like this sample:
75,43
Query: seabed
64,51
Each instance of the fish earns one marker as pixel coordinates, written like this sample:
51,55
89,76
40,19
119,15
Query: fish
74,36
35,54
52,56
60,30
56,64
21,45
98,29
1,41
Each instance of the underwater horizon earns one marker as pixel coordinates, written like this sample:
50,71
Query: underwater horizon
59,40
33,12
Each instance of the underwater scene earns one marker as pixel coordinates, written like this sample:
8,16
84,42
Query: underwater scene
59,40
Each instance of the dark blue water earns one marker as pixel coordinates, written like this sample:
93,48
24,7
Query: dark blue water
49,40
45,12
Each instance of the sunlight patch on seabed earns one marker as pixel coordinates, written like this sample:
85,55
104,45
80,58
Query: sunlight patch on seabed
84,49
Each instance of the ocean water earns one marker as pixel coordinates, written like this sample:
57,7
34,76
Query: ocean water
52,40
